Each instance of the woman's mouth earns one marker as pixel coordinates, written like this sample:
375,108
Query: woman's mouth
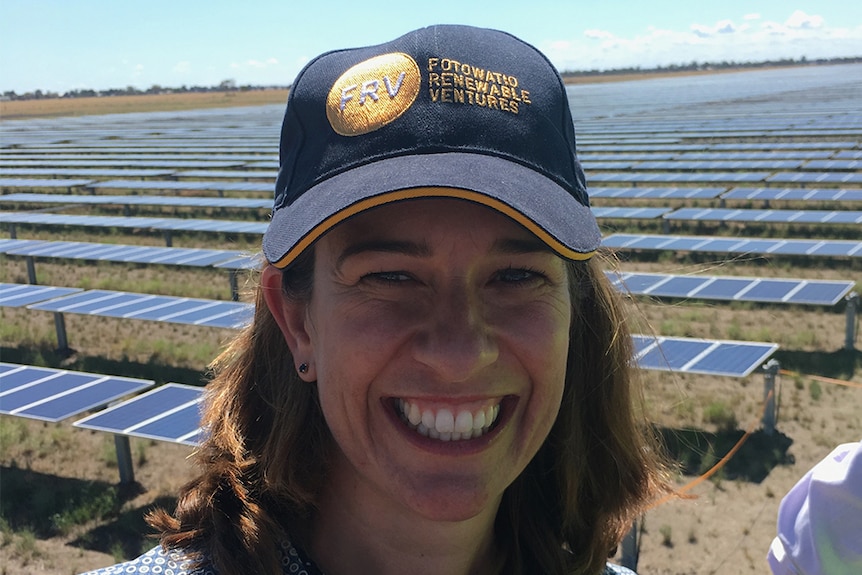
452,423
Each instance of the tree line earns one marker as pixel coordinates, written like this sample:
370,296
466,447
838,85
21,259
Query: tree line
706,66
231,85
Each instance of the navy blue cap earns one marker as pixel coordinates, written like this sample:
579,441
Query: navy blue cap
444,111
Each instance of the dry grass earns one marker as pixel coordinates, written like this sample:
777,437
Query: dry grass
52,107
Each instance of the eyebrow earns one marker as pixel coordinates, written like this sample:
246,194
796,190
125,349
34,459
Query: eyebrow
385,246
502,246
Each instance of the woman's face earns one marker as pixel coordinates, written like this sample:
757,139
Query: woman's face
437,332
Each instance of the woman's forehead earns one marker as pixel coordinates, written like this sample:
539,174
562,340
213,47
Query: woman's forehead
429,218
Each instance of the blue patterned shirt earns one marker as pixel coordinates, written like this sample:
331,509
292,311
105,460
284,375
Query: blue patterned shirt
158,561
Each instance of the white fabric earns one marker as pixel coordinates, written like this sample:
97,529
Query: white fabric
820,519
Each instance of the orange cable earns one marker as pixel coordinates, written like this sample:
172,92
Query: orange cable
821,378
721,462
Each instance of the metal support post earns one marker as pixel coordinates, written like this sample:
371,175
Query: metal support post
665,226
124,459
31,270
234,286
630,548
850,309
60,327
770,370
169,242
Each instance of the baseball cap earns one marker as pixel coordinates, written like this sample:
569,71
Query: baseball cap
820,519
444,111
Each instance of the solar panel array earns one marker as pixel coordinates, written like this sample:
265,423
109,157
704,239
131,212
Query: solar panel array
657,154
57,394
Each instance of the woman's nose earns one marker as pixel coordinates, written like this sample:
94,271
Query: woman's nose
455,340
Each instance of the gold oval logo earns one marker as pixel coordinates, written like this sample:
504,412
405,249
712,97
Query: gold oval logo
372,94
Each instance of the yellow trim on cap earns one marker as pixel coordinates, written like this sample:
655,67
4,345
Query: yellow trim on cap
417,193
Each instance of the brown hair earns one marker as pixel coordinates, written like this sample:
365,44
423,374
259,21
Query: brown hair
267,449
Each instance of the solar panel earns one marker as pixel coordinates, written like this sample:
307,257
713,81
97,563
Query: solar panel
805,194
185,185
120,163
776,290
679,177
223,226
123,253
83,172
41,183
183,201
679,164
776,216
833,165
709,357
56,394
629,213
169,413
190,311
655,193
830,248
816,177
21,295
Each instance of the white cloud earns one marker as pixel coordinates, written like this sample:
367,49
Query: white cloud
751,40
599,34
183,67
801,20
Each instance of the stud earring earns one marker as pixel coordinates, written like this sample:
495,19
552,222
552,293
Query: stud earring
303,368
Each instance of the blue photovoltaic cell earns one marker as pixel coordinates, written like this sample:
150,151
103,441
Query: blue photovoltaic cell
212,185
733,359
193,311
55,394
833,248
723,288
121,253
168,413
817,177
672,355
655,193
780,290
6,245
805,194
182,201
225,226
21,295
687,177
780,216
41,183
629,213
728,358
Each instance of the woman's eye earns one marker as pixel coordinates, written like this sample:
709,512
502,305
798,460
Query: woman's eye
518,276
387,277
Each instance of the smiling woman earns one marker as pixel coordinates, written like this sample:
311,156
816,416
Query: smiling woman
437,377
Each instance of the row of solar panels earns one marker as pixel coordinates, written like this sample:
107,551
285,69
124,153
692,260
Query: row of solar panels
587,144
8,156
837,177
589,164
826,217
172,411
623,192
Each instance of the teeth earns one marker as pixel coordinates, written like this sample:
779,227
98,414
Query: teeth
446,425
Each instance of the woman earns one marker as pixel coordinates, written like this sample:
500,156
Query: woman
437,376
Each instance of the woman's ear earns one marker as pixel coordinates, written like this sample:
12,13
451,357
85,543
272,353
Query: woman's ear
291,317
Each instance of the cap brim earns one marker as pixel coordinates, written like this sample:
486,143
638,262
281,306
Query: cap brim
533,200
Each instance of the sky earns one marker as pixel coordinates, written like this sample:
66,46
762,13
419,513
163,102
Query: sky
62,45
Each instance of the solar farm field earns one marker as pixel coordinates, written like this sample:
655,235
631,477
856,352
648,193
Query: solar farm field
731,207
